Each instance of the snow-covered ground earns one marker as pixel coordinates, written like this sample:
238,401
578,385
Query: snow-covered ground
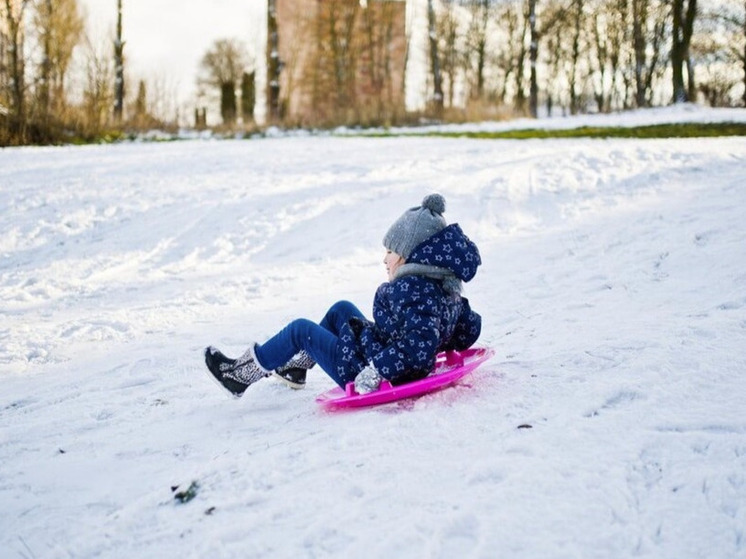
685,112
613,290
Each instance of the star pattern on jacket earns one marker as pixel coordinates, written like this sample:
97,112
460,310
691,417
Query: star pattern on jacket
414,317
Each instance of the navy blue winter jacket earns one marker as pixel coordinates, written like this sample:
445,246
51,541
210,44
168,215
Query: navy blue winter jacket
415,315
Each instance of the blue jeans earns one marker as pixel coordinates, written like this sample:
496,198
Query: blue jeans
320,341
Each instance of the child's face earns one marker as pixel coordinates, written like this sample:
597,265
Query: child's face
392,262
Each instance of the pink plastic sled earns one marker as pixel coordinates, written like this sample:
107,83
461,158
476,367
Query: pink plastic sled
450,366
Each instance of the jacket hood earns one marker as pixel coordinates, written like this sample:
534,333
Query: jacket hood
450,249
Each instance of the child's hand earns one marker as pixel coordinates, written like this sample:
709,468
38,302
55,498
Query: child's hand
357,325
367,380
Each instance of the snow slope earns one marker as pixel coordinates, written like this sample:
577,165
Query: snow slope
613,289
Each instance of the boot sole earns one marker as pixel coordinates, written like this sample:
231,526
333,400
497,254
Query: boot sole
293,385
215,379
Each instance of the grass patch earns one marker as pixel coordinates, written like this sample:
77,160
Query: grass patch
681,130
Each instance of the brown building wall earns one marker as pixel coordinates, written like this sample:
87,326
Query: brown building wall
343,62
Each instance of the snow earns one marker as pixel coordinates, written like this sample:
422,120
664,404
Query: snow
613,290
683,112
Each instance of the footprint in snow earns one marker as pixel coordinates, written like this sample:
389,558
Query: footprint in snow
618,400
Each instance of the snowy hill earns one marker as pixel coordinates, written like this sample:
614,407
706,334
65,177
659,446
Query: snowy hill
609,425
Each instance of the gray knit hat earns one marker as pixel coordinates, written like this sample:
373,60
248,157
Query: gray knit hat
416,225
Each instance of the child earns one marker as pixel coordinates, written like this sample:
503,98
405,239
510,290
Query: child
416,314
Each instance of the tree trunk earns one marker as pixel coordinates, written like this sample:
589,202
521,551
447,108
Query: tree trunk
119,68
477,44
553,42
600,40
435,61
691,87
533,57
683,26
677,56
45,84
378,25
16,62
482,48
575,58
58,28
141,105
228,103
520,66
273,63
744,53
248,97
639,20
481,61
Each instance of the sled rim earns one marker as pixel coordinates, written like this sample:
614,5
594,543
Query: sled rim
450,367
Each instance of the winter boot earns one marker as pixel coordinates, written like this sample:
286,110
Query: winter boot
293,373
235,375
217,362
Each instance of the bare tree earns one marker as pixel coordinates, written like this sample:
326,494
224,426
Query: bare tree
340,49
330,75
98,94
274,64
449,55
554,61
533,59
141,116
346,65
59,27
519,62
577,37
734,21
222,69
640,44
741,53
162,100
13,13
119,67
606,42
295,81
648,20
46,65
553,15
507,55
614,35
248,97
716,78
684,14
376,91
480,12
437,100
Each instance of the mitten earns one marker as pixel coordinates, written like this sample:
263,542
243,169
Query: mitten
357,325
367,380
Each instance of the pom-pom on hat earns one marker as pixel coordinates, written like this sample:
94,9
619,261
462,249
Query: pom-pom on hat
416,225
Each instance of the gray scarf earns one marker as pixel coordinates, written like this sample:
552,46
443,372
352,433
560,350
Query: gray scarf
451,283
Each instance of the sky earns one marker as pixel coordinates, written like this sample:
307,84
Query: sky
166,39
